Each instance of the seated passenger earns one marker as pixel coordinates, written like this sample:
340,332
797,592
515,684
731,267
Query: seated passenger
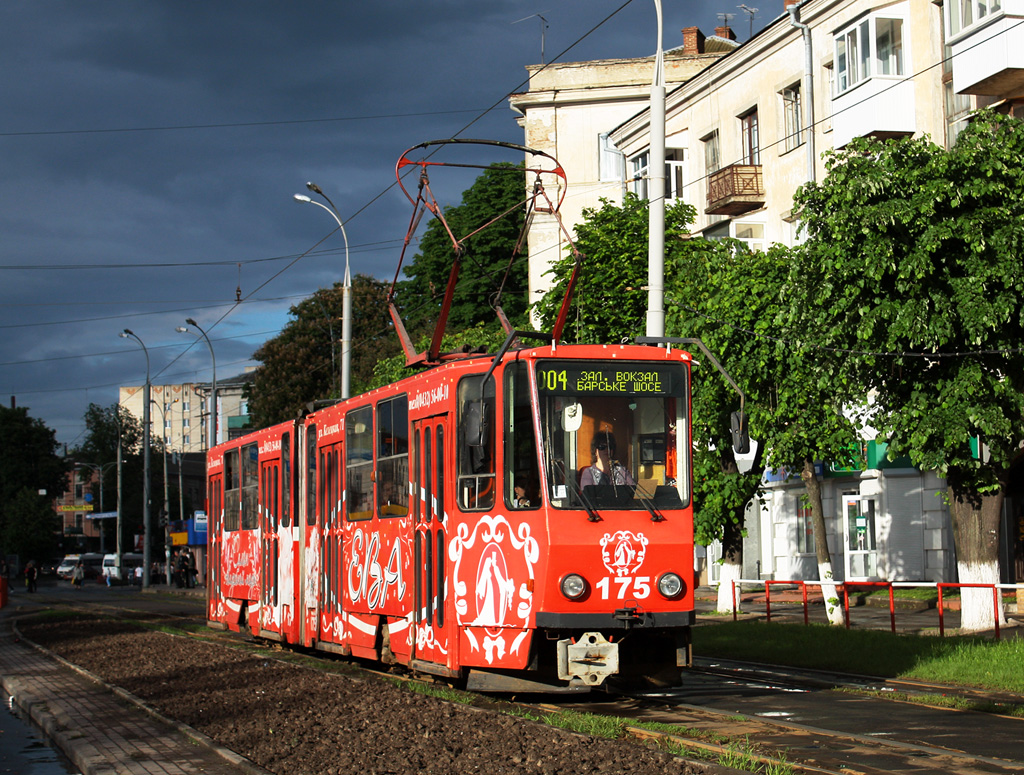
604,468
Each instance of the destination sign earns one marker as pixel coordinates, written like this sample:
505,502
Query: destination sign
604,379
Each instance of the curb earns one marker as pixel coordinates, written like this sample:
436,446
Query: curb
59,727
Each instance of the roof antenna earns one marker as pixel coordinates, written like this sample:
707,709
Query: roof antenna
543,27
238,290
750,13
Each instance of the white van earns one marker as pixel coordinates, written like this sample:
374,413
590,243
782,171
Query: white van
67,565
129,562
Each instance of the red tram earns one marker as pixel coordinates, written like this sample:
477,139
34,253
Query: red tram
459,522
511,521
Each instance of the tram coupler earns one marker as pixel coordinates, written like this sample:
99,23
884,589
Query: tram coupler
590,659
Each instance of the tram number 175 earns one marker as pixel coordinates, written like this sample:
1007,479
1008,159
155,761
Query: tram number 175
622,587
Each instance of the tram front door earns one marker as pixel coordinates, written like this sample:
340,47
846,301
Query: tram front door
431,617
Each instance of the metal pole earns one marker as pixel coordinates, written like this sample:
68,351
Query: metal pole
346,290
146,526
211,438
656,196
117,414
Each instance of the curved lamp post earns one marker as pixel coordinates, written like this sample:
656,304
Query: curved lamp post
211,438
145,465
346,290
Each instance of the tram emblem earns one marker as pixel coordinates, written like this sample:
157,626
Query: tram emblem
494,589
623,552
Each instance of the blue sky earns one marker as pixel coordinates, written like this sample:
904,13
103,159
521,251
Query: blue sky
149,151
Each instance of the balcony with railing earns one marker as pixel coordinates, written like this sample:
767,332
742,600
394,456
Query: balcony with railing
736,189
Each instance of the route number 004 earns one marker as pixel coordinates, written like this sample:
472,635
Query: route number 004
625,586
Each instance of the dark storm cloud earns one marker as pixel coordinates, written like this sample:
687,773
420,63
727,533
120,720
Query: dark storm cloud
140,133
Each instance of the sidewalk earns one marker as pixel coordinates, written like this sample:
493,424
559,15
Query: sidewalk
101,729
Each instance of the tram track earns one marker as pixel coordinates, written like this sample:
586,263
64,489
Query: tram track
756,714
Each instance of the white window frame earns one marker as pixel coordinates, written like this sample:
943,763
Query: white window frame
860,57
675,173
792,116
640,165
963,15
611,164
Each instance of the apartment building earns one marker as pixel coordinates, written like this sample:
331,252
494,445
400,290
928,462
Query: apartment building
742,134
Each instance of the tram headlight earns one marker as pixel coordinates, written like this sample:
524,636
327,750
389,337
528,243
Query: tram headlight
671,586
574,586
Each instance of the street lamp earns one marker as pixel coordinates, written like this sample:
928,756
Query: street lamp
211,438
346,290
145,465
656,197
166,512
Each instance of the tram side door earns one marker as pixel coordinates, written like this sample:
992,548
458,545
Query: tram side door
270,513
215,545
431,618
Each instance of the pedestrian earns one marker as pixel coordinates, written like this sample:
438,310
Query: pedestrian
78,575
31,574
190,569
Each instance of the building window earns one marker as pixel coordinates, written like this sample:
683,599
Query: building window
184,406
610,166
186,439
752,234
889,46
748,136
792,116
184,422
961,14
675,173
804,527
856,47
712,153
639,165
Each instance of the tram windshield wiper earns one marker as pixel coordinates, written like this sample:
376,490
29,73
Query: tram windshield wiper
642,495
592,514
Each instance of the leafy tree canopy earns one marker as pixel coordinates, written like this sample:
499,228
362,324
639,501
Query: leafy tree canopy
911,277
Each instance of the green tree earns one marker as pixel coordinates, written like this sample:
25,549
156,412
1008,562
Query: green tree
32,526
303,362
29,463
911,280
731,301
610,301
488,263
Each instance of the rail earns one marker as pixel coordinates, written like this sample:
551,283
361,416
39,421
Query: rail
845,586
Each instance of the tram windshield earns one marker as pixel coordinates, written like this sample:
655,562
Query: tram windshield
614,435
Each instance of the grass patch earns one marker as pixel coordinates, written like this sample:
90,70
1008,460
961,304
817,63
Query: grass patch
958,660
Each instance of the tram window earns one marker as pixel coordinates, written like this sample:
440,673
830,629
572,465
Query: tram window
250,486
475,458
232,490
615,436
393,457
286,481
311,475
359,463
522,478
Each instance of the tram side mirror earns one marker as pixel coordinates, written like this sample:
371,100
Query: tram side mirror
572,417
740,434
475,419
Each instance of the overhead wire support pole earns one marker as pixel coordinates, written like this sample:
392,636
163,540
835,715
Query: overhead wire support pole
656,195
146,525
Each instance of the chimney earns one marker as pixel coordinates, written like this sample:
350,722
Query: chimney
725,32
788,3
693,40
